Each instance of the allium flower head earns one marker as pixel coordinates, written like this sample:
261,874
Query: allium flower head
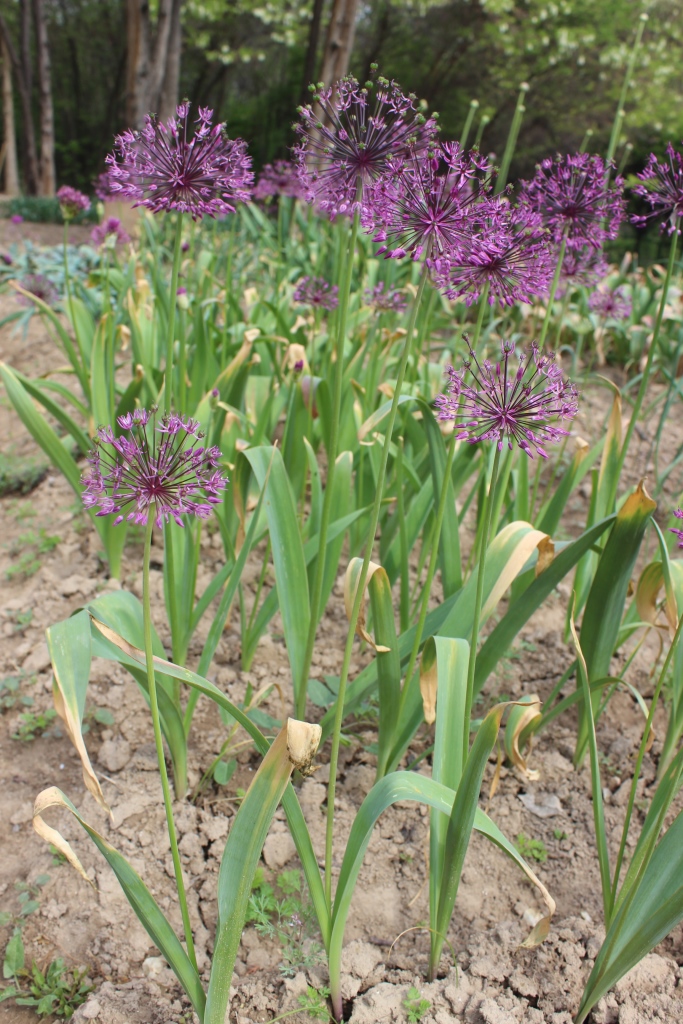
349,148
428,204
679,533
506,403
71,202
279,179
316,291
611,304
40,286
662,190
109,234
158,469
572,195
514,262
581,268
385,300
163,167
16,218
102,188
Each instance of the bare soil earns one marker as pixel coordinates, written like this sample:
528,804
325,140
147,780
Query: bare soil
493,979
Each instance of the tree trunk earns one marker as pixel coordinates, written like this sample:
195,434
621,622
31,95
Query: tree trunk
168,100
137,28
341,31
311,62
47,132
9,145
25,83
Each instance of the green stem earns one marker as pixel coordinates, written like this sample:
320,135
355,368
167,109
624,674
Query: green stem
159,743
553,290
168,372
621,112
486,517
69,300
644,380
515,125
638,766
353,621
474,106
338,371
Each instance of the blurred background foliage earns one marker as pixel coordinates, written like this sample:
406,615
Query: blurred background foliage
250,61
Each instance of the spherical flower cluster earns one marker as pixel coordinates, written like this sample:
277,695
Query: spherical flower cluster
573,197
385,300
279,179
662,190
679,533
163,168
109,234
316,291
152,469
71,202
102,187
41,287
512,263
16,218
581,268
611,304
350,138
519,405
430,203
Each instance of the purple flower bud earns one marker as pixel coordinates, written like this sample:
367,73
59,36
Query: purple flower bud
71,202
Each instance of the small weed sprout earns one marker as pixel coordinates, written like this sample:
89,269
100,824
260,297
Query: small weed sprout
415,1005
288,917
534,848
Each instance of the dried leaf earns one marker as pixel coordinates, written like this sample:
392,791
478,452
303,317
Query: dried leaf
350,587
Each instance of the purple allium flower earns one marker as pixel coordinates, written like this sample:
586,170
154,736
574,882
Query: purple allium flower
142,473
428,205
102,188
662,190
581,268
679,533
40,286
316,291
611,304
71,202
16,218
384,301
163,168
515,263
572,195
349,148
279,179
510,404
6,259
185,247
109,234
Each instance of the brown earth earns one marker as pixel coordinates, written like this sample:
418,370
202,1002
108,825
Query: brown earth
495,981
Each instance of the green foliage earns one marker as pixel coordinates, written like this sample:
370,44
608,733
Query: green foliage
314,1003
533,848
287,914
32,724
20,474
57,991
27,552
415,1005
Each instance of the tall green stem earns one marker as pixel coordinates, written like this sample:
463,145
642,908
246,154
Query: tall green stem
318,579
474,106
553,290
372,529
645,379
69,298
515,125
621,107
168,372
159,743
486,517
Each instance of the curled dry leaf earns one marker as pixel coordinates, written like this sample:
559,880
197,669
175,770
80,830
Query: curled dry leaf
525,712
303,739
350,587
546,553
54,797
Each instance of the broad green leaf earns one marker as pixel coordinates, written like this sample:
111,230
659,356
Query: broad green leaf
126,653
101,411
606,600
288,554
70,651
447,660
137,893
294,747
